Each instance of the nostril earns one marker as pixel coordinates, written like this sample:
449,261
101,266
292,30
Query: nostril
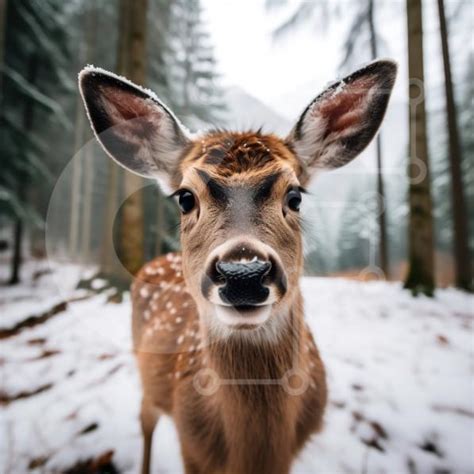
267,268
218,275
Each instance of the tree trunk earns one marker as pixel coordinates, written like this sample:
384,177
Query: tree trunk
420,276
383,251
19,225
17,251
461,237
131,62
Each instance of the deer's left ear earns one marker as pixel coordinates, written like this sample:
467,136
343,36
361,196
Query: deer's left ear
343,119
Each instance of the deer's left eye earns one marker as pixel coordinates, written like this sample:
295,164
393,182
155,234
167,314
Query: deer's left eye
186,201
293,199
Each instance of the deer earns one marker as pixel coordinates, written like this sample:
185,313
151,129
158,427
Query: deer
219,330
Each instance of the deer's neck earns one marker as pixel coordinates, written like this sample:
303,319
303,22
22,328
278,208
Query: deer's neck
257,415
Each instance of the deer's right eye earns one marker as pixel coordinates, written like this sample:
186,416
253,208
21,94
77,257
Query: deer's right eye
186,201
293,199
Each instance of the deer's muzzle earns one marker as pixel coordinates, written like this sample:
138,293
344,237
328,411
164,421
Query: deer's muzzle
243,276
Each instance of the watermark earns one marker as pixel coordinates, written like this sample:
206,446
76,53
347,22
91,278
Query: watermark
82,198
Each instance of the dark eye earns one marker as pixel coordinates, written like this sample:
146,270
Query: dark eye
293,199
186,201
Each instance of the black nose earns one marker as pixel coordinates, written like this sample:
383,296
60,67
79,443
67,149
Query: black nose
243,282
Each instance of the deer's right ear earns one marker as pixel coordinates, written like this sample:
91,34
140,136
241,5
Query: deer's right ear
132,125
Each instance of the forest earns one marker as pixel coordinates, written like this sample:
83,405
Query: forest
395,241
421,226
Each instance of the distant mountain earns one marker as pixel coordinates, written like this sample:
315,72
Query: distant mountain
245,111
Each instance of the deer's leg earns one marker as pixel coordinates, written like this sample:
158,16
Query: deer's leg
149,416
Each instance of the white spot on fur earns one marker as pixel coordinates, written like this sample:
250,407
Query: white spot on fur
149,270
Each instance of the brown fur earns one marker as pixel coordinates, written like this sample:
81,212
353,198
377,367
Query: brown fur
244,427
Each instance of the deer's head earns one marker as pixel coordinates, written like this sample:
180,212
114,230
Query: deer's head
239,193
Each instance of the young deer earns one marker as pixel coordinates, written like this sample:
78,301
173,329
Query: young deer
219,330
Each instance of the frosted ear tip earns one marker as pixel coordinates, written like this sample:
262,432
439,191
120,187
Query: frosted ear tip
387,65
91,71
86,73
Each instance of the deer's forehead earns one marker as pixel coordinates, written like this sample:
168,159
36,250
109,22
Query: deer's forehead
248,155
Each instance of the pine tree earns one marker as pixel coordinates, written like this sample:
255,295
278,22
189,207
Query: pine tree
35,58
197,95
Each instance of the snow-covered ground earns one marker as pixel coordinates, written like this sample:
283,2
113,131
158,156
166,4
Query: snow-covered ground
400,370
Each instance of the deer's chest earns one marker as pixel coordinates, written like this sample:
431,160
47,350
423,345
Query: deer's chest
254,431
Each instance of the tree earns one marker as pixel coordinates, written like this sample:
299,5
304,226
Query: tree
420,278
461,232
35,55
466,121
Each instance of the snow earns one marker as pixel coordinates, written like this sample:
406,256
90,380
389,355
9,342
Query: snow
400,373
39,292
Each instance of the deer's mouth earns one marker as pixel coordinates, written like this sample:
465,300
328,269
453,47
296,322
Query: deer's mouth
243,316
